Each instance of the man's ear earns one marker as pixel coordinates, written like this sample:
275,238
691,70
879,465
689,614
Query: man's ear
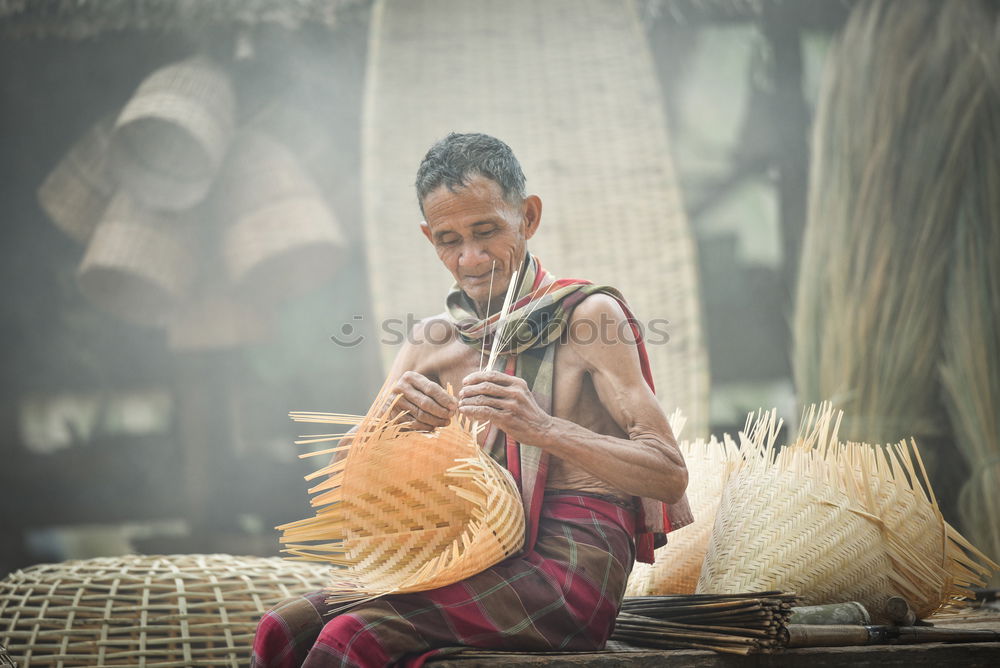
532,215
426,229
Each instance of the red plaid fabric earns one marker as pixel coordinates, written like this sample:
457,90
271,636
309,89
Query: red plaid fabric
564,594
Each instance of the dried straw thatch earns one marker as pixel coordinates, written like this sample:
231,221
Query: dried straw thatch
901,107
971,367
904,168
72,19
834,522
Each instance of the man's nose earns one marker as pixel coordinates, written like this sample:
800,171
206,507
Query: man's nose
472,254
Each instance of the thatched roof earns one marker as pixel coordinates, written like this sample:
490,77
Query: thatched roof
815,14
83,19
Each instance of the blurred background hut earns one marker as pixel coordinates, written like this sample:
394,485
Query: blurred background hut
168,433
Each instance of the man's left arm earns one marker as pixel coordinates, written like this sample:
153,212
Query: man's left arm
647,463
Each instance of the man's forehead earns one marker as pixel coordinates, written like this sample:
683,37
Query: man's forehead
473,185
480,196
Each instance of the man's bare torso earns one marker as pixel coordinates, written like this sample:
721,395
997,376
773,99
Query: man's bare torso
442,357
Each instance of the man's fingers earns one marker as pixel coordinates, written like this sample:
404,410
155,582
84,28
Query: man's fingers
497,377
426,404
432,391
417,414
498,403
483,389
477,412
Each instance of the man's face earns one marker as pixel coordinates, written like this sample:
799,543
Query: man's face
476,226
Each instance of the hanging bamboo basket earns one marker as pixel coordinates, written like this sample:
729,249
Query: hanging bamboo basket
138,265
406,511
76,192
836,522
280,237
172,135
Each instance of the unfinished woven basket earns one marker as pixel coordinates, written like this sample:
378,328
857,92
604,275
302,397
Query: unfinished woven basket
678,563
76,192
836,522
139,264
172,135
280,236
406,511
152,611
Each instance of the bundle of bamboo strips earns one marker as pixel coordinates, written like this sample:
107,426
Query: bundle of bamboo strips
836,522
733,624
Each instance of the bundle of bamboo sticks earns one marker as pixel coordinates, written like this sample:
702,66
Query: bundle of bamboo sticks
733,624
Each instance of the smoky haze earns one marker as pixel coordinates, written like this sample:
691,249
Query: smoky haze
149,366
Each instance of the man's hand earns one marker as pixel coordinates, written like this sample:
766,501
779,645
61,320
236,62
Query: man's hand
505,401
426,404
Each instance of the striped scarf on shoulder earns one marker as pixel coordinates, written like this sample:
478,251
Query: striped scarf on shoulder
538,317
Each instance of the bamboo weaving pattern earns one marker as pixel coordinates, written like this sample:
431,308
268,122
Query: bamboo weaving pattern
836,522
678,563
406,511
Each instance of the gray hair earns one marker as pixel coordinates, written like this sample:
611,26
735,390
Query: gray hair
452,160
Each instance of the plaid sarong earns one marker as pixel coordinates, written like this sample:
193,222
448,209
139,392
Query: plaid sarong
538,320
564,594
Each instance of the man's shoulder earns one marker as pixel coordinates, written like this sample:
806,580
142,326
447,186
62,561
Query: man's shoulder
598,305
435,330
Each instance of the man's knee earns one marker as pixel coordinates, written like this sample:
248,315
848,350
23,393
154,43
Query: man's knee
354,640
286,632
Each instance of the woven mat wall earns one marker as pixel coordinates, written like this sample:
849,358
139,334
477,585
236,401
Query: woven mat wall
569,84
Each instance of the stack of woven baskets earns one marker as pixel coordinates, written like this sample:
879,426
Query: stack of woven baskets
189,222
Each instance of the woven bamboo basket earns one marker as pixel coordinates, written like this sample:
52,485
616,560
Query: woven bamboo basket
587,125
406,511
836,522
678,563
152,611
139,264
76,192
172,135
280,237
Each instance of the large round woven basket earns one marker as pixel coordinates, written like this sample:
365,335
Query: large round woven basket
76,192
151,611
172,135
139,264
407,511
280,237
571,87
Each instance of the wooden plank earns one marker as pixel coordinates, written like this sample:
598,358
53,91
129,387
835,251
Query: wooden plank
970,655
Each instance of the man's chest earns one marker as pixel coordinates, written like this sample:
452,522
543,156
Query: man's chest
570,393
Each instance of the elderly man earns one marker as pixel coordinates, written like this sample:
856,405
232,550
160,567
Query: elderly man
572,416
